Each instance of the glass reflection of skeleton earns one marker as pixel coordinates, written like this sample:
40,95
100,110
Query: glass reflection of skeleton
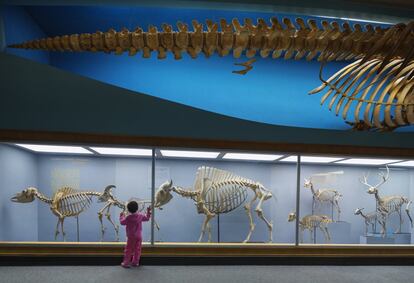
387,205
217,191
311,222
321,196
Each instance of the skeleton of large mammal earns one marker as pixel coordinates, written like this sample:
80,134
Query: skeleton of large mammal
386,205
66,202
217,191
379,87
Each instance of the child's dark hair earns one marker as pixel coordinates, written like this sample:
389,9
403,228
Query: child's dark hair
132,206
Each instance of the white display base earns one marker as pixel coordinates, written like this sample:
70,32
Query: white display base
402,238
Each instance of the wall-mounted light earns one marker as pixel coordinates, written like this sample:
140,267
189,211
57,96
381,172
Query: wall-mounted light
189,154
311,159
122,151
252,157
409,163
55,148
366,161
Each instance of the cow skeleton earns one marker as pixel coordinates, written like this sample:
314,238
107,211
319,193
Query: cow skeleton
218,191
387,205
311,222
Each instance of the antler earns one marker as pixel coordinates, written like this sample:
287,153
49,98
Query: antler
365,181
384,177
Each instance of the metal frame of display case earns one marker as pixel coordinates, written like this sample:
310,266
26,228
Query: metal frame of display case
200,253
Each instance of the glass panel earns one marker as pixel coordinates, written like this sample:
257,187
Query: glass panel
339,185
225,182
85,172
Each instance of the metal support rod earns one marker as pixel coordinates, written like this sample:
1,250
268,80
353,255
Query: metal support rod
77,227
152,196
297,201
218,228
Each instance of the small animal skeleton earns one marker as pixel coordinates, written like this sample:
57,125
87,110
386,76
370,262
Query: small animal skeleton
218,191
324,195
388,204
66,202
311,222
110,200
370,219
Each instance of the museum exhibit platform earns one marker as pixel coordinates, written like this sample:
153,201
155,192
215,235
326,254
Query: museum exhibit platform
201,114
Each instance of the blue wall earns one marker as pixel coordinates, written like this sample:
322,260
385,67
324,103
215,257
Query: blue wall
19,26
18,170
274,92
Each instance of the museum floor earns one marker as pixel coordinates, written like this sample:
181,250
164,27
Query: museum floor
200,274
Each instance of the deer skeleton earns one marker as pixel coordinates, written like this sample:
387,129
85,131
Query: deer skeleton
380,83
217,191
324,196
388,204
370,218
311,222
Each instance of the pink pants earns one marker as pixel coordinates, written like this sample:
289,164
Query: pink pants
132,251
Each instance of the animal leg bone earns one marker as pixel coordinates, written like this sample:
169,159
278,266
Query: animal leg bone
248,207
259,211
100,214
203,229
63,231
116,227
57,229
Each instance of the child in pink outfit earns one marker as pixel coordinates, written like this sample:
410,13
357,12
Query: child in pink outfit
133,224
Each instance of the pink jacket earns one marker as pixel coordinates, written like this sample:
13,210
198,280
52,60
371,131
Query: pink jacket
133,223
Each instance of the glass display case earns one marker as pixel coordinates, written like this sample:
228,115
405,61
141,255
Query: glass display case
203,195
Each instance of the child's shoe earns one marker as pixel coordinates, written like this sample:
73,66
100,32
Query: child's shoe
134,264
124,265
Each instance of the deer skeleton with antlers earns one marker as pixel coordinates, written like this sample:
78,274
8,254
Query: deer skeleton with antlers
388,204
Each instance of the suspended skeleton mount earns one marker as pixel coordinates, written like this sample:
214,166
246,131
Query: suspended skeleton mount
217,191
378,88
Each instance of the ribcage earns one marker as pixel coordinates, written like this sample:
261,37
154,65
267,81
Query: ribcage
366,93
74,204
225,198
394,204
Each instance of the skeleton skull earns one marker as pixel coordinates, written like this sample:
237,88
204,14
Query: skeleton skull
163,194
307,183
372,190
27,195
292,216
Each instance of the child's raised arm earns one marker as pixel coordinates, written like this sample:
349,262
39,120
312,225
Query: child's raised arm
148,215
122,218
